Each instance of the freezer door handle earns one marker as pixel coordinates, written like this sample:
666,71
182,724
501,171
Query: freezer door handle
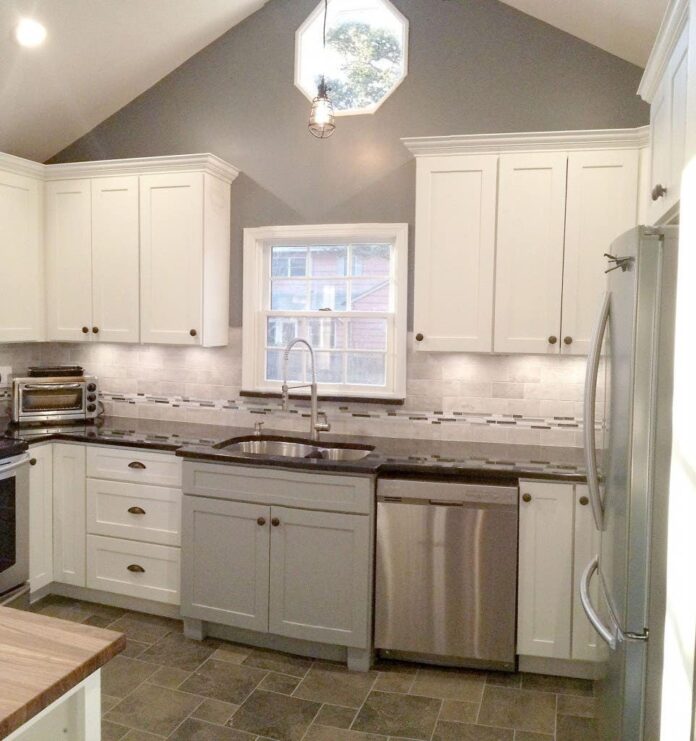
605,634
591,374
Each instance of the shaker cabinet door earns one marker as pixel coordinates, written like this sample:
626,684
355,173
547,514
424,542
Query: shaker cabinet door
69,521
529,260
69,260
115,259
171,258
455,253
41,517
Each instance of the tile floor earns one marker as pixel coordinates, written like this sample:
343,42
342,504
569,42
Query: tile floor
166,686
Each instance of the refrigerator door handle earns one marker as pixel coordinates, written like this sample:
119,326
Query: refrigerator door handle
591,374
605,634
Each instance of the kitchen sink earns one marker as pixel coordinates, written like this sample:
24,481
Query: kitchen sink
295,449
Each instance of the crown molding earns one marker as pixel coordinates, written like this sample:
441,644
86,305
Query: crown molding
207,163
673,24
20,166
528,142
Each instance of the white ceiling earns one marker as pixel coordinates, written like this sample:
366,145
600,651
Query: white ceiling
625,28
99,55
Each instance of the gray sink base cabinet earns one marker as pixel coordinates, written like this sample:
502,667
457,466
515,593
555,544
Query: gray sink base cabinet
279,558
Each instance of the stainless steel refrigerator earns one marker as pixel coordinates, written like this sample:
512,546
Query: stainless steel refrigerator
629,372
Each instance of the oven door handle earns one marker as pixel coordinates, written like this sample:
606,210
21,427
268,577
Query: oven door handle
13,466
41,386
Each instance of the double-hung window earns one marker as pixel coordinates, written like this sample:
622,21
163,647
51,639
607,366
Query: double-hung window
340,287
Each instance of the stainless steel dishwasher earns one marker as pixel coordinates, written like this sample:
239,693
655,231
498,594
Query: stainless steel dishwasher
446,572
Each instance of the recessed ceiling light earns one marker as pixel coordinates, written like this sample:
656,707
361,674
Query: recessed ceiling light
30,33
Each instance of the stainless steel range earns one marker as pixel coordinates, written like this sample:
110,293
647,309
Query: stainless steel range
14,518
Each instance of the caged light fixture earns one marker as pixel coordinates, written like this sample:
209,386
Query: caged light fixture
321,118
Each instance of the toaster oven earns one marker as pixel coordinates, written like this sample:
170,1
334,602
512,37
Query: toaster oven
54,399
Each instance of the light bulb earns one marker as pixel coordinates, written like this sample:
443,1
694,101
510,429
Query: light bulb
30,33
321,118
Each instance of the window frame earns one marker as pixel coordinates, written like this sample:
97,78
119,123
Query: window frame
365,110
256,304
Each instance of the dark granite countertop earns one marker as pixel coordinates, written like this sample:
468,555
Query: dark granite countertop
390,457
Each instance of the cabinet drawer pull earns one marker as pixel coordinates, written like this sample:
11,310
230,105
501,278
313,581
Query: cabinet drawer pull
584,501
553,339
275,522
137,464
261,521
136,510
136,568
526,497
658,191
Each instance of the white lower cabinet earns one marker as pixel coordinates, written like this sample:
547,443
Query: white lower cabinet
319,587
557,540
41,517
69,514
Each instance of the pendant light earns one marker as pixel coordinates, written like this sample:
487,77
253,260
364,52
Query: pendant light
321,118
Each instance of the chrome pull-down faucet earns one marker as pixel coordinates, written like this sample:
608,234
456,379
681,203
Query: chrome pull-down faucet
315,426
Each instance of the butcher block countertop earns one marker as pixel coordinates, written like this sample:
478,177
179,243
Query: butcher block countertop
41,658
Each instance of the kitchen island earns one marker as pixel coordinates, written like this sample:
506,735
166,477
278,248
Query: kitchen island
50,678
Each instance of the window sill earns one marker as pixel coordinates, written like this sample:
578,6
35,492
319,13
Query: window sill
327,397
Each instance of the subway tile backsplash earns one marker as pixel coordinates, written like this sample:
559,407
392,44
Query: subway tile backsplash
525,399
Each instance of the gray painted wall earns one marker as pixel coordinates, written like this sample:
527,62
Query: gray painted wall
476,66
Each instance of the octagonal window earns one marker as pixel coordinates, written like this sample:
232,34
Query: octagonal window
366,54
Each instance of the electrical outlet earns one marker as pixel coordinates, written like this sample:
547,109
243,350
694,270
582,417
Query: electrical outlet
5,373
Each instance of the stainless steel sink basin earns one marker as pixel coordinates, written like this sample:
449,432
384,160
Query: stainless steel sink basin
295,449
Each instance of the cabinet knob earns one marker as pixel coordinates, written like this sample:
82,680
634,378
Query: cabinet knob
275,522
553,339
193,332
32,461
136,568
95,330
261,521
419,337
568,340
584,501
85,330
136,510
658,191
137,464
526,497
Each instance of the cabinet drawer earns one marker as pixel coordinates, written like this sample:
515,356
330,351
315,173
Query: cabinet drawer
311,490
134,511
142,466
154,573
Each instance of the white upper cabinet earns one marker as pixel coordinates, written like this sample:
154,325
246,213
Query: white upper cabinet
455,252
529,261
69,260
115,259
602,203
184,242
664,86
21,256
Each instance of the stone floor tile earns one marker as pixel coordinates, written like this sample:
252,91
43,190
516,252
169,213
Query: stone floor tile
98,621
134,735
449,684
215,711
584,707
275,716
168,676
283,683
335,716
221,680
154,709
394,681
323,733
112,732
525,710
274,661
122,675
504,679
391,714
560,685
107,702
451,731
336,685
133,648
104,611
462,712
193,729
145,628
63,608
572,728
530,736
232,652
177,651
